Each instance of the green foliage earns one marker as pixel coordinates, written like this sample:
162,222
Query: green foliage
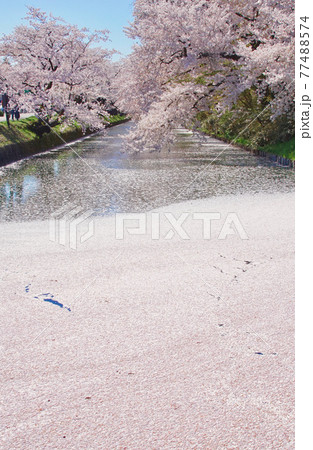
285,149
249,123
117,118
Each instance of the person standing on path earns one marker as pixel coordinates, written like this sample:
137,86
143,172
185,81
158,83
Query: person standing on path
17,113
5,102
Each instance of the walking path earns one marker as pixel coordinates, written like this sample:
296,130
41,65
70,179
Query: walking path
23,116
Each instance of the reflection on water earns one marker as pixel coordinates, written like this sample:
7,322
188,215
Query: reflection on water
109,180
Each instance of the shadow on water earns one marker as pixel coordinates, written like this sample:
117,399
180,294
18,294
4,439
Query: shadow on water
109,180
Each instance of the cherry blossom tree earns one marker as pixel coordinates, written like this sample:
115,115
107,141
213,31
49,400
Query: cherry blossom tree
194,55
50,67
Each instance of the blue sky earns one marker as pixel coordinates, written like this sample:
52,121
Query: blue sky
93,14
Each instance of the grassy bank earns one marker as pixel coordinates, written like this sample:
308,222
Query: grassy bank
22,139
252,121
22,133
284,149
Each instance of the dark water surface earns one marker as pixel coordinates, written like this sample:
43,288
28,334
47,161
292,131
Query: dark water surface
100,176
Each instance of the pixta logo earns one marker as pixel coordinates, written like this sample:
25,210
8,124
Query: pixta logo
166,225
71,226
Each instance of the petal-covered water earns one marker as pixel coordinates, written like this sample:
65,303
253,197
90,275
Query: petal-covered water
97,174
